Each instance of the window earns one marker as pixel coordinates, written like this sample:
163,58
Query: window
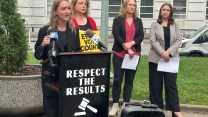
179,9
146,9
114,7
49,4
205,37
207,11
198,31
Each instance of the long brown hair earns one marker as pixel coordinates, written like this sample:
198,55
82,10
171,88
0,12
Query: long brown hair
53,18
74,2
170,19
123,9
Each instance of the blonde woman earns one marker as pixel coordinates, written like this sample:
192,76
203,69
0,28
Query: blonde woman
128,35
80,15
60,20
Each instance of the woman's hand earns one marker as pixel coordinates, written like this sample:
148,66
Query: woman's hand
165,55
46,41
128,45
131,53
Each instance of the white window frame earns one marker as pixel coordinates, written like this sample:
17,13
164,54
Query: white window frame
48,10
185,14
121,1
140,6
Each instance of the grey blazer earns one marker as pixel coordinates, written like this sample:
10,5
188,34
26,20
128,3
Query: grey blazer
157,41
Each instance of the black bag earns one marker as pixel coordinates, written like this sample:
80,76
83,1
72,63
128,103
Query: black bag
137,109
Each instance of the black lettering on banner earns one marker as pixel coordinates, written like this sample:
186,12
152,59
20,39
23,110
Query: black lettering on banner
85,41
83,36
88,42
89,47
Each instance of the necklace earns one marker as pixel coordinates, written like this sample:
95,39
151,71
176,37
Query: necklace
61,28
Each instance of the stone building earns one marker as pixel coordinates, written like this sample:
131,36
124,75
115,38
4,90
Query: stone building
189,14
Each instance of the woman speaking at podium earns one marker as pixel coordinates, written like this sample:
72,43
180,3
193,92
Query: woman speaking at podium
67,40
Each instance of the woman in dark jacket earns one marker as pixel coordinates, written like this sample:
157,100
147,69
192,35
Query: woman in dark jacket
68,41
128,35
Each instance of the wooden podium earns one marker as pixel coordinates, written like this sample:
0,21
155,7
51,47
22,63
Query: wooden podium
83,84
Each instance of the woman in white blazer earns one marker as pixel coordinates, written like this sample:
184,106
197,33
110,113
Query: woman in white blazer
165,40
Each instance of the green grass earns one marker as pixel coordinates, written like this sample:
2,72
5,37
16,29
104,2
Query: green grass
192,80
31,59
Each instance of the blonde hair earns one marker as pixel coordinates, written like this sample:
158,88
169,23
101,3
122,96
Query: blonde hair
53,17
123,9
74,2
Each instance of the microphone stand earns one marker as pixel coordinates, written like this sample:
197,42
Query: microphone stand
52,57
52,61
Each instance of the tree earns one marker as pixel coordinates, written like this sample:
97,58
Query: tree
13,41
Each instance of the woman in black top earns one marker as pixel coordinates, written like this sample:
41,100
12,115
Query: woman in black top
80,9
68,41
165,40
128,35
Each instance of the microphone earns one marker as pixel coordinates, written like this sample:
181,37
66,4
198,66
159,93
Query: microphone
53,39
95,39
52,51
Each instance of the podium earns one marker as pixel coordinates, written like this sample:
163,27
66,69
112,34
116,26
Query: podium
83,84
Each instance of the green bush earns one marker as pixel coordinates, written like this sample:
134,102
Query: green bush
13,41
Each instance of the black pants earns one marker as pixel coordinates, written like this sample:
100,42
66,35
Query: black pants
118,79
50,98
50,105
156,80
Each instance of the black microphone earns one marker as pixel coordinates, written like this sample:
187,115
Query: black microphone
95,39
53,39
52,51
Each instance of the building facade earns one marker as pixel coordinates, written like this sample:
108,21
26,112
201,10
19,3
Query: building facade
189,14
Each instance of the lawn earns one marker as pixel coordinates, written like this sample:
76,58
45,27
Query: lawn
31,59
192,80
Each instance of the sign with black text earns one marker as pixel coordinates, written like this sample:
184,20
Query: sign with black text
86,43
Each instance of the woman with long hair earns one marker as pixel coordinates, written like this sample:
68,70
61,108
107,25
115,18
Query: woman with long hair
80,9
128,35
165,40
68,41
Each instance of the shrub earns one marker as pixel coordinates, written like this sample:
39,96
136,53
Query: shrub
13,41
